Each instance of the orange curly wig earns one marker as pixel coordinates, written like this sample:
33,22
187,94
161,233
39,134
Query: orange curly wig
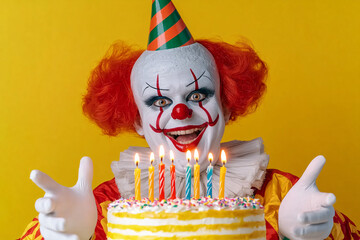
109,101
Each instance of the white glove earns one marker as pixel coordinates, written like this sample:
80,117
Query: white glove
67,213
306,213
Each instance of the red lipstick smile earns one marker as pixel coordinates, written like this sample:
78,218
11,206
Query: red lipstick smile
187,137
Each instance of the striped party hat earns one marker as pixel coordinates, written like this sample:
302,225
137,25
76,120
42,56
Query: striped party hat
167,29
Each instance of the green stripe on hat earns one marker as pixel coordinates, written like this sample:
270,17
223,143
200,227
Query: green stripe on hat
167,23
167,29
177,41
158,5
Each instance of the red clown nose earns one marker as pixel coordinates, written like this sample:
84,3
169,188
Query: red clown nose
181,112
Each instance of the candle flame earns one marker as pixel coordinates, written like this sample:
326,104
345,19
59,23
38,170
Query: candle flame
188,155
223,157
152,157
161,152
137,159
171,155
210,157
196,155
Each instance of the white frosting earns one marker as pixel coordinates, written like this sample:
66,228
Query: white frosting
254,218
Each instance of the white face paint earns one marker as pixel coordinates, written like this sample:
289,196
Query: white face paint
177,92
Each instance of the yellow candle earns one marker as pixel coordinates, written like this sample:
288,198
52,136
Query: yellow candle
222,175
151,178
137,173
196,176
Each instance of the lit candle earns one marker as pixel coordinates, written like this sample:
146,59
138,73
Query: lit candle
161,175
222,175
209,172
196,175
151,177
173,176
188,177
137,173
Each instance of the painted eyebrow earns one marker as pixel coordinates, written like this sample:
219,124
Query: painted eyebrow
157,89
198,79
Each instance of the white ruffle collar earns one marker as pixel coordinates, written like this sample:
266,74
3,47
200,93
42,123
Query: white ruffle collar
246,167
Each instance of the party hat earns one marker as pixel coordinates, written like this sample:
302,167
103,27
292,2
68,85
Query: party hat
167,29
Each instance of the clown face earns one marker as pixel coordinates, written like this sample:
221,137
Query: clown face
177,92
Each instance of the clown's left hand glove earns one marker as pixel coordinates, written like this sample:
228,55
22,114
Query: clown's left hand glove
306,213
67,213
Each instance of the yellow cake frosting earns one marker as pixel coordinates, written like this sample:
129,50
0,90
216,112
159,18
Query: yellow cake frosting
195,219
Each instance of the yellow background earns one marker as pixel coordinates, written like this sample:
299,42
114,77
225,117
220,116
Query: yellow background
47,49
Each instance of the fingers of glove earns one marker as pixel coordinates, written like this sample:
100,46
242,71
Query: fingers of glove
325,199
43,181
45,205
53,235
322,215
52,223
85,174
319,231
312,171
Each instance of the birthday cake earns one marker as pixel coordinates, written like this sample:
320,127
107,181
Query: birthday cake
195,219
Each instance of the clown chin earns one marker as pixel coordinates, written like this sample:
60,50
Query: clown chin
186,138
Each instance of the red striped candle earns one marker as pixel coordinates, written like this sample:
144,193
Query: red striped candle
161,175
173,176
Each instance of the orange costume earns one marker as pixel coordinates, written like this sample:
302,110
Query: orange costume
275,187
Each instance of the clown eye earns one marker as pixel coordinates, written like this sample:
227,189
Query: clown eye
197,97
158,101
200,95
162,102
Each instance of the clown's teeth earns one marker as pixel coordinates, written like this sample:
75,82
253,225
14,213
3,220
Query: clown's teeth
184,132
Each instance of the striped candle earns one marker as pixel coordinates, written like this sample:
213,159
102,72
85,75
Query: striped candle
151,178
161,175
209,172
188,177
196,175
172,176
137,174
222,176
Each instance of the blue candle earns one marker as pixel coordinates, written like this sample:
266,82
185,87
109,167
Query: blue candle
188,177
209,172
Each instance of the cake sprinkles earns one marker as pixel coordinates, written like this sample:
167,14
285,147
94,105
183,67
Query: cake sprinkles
204,203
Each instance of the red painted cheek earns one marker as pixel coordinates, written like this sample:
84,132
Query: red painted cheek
157,129
181,112
211,122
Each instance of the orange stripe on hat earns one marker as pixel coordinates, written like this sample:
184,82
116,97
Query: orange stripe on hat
191,41
167,29
161,15
167,35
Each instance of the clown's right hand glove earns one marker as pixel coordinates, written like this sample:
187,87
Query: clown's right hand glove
305,212
67,213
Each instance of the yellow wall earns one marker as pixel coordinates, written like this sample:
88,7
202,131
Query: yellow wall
47,49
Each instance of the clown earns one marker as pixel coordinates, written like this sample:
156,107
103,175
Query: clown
180,93
180,107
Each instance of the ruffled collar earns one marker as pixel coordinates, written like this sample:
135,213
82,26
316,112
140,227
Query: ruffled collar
246,167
